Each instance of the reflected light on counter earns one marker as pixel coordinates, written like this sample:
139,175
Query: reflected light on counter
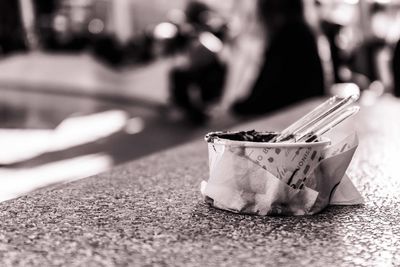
165,30
14,183
22,144
85,129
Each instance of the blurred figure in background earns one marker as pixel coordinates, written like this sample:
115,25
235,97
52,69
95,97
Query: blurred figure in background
292,69
199,79
11,29
331,31
396,69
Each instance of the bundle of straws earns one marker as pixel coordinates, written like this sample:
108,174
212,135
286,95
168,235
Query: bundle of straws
319,121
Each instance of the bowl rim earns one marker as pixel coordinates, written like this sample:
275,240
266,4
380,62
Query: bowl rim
221,141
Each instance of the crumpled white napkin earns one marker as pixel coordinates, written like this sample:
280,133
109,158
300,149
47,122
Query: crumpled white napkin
244,184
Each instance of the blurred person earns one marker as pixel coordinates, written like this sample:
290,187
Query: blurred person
44,11
12,35
107,50
292,69
140,49
331,31
198,80
363,59
395,66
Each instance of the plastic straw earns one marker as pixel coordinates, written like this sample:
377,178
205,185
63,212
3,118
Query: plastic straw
328,124
305,124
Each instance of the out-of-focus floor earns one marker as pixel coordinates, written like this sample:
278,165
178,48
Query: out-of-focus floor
68,117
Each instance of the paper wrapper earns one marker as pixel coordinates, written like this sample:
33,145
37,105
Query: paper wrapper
280,179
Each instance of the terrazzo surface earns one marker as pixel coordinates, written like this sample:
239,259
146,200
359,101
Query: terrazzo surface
150,213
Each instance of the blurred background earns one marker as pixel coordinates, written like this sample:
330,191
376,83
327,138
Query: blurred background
89,84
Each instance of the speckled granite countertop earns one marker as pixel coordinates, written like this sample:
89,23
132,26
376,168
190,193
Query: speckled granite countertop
150,213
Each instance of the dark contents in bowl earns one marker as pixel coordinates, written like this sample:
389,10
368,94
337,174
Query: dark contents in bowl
249,136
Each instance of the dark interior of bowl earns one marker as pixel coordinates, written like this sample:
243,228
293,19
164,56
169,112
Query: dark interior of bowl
249,136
